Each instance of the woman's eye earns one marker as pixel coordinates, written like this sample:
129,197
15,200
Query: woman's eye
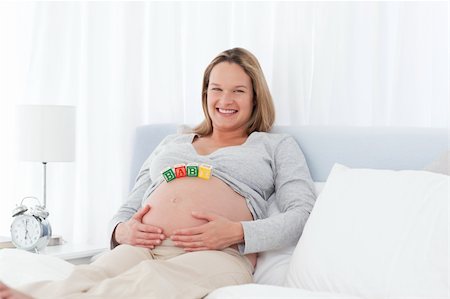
239,91
216,89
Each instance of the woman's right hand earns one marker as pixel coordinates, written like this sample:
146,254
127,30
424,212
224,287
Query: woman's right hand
136,233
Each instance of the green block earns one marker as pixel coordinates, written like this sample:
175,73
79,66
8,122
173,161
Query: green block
169,174
192,170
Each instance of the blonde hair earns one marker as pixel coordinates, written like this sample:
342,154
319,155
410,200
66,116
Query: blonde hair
263,115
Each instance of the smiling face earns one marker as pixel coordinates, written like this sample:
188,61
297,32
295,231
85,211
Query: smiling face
229,97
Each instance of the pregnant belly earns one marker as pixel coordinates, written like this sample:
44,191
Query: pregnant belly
172,203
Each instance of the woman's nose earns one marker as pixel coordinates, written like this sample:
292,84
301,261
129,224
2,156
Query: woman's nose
227,96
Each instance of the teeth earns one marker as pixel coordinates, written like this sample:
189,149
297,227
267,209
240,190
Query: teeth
229,111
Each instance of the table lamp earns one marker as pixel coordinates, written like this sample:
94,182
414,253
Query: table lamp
46,133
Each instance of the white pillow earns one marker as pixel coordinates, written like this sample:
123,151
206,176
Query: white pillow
272,266
376,234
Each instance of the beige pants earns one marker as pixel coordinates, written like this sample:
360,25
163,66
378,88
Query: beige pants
164,272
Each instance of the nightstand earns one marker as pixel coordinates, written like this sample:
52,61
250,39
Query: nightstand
74,253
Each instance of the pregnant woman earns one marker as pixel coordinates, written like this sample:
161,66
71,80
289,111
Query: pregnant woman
197,215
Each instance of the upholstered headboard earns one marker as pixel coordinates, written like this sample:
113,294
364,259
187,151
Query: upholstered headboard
362,147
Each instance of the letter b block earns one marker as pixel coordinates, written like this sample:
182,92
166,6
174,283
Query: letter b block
204,171
168,174
192,169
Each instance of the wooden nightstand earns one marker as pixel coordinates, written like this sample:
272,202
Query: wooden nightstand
74,253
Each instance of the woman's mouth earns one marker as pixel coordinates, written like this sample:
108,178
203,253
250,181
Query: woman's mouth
226,112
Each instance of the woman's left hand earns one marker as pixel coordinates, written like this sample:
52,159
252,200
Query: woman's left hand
218,233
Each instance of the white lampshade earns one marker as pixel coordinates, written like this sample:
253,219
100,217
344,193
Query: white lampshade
46,133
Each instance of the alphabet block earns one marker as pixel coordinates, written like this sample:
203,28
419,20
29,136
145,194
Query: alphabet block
204,171
168,174
192,169
180,170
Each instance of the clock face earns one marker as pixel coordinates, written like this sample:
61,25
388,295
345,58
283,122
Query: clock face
26,231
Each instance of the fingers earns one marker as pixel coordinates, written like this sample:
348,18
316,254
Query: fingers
149,228
5,294
190,231
149,236
5,291
191,245
148,240
147,243
204,215
133,232
140,214
188,238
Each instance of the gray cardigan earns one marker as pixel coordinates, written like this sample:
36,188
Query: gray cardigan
268,168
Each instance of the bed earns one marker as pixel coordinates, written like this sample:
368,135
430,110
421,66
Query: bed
354,151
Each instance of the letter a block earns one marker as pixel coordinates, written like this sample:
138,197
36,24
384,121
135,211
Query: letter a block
168,174
180,170
204,171
192,169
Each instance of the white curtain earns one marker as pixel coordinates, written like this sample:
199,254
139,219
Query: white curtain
124,64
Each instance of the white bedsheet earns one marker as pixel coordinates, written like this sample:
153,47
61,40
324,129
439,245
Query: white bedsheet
19,267
256,291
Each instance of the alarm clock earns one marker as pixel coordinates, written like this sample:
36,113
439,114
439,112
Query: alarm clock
30,229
